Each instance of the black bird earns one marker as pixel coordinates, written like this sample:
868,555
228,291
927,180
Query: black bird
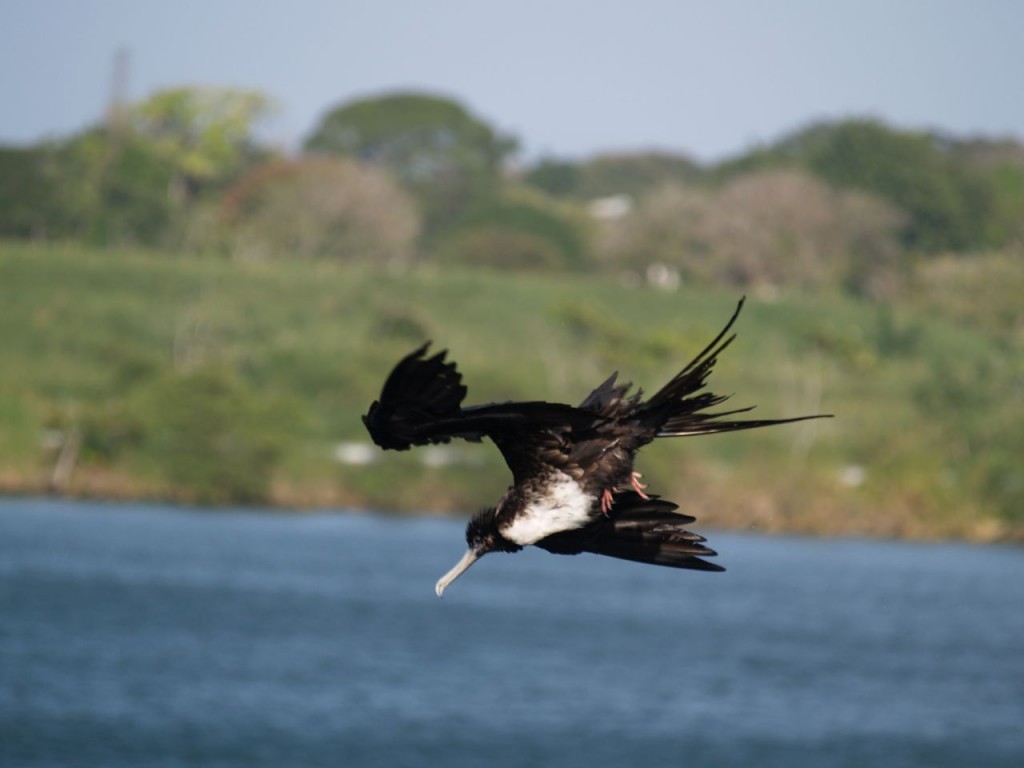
570,465
638,527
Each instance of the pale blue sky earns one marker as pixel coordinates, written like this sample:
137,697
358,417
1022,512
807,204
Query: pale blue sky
570,78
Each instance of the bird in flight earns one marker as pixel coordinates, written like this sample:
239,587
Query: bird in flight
573,488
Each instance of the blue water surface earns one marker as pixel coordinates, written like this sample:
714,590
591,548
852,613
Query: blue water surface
145,636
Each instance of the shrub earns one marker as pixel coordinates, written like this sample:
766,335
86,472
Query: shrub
207,435
514,235
320,208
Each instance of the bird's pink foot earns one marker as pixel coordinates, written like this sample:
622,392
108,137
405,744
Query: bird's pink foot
634,480
606,501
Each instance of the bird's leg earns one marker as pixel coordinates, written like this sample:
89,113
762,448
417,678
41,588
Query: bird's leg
634,480
606,501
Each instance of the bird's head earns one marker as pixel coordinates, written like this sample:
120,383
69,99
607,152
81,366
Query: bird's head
482,536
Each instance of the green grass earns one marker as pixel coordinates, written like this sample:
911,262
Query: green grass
206,380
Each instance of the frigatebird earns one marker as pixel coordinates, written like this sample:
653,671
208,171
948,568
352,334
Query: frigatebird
574,488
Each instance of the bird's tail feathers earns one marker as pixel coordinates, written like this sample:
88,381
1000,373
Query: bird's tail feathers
693,377
712,423
652,531
681,408
644,530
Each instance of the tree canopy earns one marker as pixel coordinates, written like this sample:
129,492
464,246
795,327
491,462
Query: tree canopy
204,134
320,207
623,173
136,176
450,159
958,195
417,175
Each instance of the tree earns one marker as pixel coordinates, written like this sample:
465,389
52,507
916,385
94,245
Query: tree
629,173
785,227
907,169
635,173
203,134
561,178
952,202
448,158
515,234
26,192
208,435
136,177
321,208
109,188
767,229
1000,163
663,227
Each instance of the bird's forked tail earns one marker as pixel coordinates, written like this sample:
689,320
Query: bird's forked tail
681,407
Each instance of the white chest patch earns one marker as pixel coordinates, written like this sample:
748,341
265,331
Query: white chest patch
565,506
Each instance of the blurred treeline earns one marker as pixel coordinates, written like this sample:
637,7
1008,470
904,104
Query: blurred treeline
157,376
853,205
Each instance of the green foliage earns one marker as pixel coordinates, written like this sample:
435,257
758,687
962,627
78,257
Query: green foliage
113,189
139,177
999,164
908,169
400,323
611,339
26,192
205,379
841,207
203,134
981,291
21,428
514,235
500,247
634,174
983,458
446,156
95,187
957,195
559,178
207,434
202,435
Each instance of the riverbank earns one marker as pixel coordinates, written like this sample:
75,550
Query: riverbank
160,376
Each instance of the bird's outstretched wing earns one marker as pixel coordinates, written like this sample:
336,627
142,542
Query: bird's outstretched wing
643,530
419,392
421,404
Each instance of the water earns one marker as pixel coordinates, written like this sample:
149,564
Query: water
153,636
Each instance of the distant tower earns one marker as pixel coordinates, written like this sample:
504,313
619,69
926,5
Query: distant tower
119,77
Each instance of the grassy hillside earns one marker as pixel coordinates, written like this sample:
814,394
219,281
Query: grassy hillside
199,379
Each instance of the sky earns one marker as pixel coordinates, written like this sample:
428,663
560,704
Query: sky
568,78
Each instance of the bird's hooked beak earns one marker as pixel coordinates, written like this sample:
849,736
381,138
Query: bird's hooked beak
471,556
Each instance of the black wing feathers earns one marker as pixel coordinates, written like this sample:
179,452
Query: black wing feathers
418,393
638,529
421,400
610,401
421,403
